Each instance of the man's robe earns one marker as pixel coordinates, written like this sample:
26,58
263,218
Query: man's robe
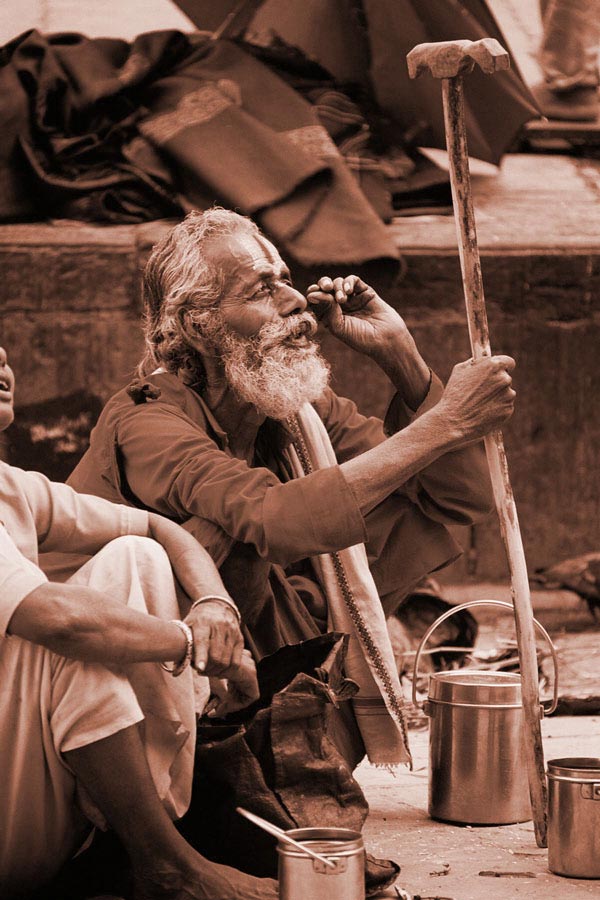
170,455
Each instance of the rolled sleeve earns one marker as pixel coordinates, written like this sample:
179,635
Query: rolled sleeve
18,578
311,515
456,488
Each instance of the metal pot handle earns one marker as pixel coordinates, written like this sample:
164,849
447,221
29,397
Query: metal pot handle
468,605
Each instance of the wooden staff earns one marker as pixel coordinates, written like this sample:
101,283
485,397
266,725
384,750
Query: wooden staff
449,61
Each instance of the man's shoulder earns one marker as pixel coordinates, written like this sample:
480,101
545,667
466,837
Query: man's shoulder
12,475
23,486
10,481
159,392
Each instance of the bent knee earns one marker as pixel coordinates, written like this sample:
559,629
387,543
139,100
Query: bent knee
135,548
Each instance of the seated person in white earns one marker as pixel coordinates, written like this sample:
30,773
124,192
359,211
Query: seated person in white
93,730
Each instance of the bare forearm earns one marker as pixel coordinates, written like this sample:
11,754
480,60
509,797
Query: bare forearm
375,474
82,623
406,368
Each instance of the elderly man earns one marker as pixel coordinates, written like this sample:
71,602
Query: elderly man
236,433
94,730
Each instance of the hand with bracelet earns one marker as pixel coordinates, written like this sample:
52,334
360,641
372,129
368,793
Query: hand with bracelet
220,654
211,639
218,641
215,647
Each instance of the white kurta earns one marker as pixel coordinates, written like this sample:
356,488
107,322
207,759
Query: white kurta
48,704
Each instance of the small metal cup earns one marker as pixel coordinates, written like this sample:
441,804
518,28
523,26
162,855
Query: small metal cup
303,878
574,817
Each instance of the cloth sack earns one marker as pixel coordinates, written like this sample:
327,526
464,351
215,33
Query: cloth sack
278,759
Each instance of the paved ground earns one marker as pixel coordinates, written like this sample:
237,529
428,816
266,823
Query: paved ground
444,861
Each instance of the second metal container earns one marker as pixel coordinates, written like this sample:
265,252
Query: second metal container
303,878
477,764
574,817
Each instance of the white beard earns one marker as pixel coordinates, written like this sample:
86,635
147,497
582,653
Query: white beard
276,377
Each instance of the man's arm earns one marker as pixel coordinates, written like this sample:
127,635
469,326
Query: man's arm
172,465
455,488
80,622
68,521
477,399
218,641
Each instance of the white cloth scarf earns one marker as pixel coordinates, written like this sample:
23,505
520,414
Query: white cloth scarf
354,608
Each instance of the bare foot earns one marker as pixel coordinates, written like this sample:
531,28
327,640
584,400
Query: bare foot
195,878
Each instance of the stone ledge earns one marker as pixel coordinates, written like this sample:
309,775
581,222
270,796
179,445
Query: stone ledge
538,221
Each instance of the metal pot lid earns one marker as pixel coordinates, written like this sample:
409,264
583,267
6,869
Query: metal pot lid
476,688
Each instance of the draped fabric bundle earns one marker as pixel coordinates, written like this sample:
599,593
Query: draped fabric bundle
105,130
366,42
313,133
355,609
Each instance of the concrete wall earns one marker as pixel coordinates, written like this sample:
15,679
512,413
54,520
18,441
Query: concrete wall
69,316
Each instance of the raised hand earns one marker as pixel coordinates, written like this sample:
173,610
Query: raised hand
355,313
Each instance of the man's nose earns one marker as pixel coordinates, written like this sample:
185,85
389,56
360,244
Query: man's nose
289,300
3,356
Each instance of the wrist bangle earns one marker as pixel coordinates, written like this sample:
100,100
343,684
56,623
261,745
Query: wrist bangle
179,667
227,600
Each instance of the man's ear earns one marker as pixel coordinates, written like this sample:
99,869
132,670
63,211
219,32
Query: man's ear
191,333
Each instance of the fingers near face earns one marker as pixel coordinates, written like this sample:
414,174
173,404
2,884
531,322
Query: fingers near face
339,287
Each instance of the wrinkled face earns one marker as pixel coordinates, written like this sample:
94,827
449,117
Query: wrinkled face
7,386
262,330
258,289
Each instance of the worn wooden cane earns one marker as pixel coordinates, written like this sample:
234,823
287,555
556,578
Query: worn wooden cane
449,61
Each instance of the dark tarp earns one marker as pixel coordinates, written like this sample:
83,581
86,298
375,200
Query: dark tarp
496,106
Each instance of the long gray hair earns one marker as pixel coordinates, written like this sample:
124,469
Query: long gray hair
177,277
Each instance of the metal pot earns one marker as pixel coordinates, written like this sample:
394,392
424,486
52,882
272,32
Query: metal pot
477,764
574,817
303,878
